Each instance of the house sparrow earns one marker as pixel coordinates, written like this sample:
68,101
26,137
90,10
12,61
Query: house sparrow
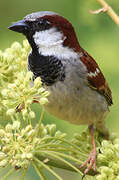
79,91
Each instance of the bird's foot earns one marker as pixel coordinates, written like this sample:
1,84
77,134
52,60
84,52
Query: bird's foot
91,161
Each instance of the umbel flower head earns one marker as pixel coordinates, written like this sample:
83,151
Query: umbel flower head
17,89
18,146
107,154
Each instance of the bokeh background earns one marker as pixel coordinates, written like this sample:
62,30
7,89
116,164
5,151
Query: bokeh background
97,34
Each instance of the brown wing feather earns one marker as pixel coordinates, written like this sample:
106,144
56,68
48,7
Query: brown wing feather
97,81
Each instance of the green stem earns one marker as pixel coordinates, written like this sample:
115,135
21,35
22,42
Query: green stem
58,164
8,174
23,174
41,117
48,168
55,156
40,121
65,141
38,170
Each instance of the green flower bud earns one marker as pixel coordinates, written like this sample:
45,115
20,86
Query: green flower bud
37,82
3,163
17,82
117,178
14,163
45,94
109,153
8,127
16,125
29,101
105,143
44,132
25,164
24,113
35,140
17,156
32,114
28,128
20,139
4,92
21,87
26,45
106,170
29,155
51,128
2,133
101,177
43,101
116,141
16,47
116,147
102,158
28,148
10,112
6,149
5,56
41,90
23,156
2,155
23,132
58,134
31,133
6,140
9,135
5,102
29,76
12,86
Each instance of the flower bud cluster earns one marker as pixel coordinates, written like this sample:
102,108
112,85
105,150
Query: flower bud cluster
16,85
18,145
108,160
107,154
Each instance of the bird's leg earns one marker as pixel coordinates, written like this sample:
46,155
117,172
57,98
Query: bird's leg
91,161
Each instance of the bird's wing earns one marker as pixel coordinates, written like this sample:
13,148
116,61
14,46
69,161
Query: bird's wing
95,77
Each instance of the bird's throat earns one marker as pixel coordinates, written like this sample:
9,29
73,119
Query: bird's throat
49,68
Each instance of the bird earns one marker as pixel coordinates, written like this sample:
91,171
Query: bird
79,92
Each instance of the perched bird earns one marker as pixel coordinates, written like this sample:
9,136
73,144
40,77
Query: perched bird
79,91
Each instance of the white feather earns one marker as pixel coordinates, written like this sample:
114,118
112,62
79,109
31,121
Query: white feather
94,74
50,43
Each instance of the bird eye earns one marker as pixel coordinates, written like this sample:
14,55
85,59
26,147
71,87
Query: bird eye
43,24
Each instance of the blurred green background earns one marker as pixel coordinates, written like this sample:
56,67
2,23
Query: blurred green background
97,34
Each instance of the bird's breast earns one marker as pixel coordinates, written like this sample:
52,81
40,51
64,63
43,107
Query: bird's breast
72,100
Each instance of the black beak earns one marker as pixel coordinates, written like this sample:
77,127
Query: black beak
20,27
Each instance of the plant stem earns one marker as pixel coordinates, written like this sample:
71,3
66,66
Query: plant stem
8,174
23,174
110,11
58,164
41,116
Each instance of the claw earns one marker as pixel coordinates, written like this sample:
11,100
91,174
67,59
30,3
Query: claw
91,161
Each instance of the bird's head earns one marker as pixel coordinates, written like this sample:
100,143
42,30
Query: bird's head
47,29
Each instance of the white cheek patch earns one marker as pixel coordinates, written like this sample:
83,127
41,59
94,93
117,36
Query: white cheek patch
50,43
48,38
97,71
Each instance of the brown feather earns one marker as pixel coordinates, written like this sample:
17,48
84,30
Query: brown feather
98,81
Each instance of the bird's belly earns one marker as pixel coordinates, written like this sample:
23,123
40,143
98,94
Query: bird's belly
77,105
